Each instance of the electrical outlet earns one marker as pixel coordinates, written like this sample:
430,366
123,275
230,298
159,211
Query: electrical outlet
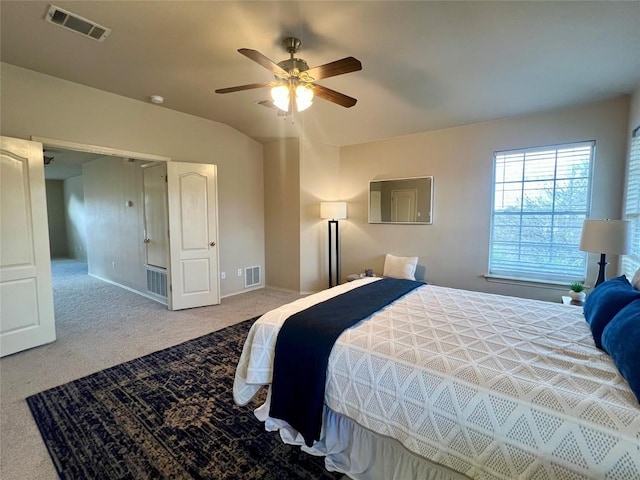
223,275
239,272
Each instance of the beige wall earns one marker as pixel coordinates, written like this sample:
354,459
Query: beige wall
56,218
115,250
39,105
319,171
454,250
299,174
282,213
74,211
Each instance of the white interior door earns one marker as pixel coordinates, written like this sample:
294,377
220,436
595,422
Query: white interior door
155,215
403,205
193,235
26,291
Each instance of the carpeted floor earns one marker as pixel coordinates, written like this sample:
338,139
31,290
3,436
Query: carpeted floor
98,326
169,414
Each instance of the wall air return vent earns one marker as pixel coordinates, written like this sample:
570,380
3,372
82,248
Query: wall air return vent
75,23
157,281
251,276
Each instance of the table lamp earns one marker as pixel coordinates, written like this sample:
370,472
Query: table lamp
605,237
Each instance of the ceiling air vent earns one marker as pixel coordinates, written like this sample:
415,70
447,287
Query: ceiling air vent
75,23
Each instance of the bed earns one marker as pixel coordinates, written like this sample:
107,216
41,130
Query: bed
453,384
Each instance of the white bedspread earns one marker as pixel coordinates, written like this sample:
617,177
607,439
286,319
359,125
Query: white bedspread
490,386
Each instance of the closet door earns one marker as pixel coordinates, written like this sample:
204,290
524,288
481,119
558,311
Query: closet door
155,215
193,235
26,291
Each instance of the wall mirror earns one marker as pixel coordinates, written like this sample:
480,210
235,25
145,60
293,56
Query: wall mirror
401,200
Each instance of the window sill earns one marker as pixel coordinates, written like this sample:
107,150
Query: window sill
548,284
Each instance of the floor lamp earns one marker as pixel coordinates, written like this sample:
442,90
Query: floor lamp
333,211
605,236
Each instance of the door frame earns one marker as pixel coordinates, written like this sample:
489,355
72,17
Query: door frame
116,152
113,152
108,151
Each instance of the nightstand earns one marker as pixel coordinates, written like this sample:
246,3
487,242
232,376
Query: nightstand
567,301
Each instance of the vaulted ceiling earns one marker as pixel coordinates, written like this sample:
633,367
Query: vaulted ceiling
426,65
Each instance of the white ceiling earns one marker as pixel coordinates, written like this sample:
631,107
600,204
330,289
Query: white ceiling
426,65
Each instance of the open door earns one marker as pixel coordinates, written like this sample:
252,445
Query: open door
26,290
193,235
156,218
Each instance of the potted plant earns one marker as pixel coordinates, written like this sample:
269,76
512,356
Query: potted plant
576,291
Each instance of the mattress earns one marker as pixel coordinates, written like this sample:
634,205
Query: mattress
492,387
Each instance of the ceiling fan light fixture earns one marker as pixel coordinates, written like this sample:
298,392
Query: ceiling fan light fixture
280,95
295,81
304,97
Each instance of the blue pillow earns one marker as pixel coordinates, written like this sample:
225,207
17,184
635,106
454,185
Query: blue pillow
621,339
606,300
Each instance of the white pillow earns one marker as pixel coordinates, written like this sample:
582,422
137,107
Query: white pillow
636,280
400,267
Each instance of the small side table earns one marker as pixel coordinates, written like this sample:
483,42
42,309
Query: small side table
567,301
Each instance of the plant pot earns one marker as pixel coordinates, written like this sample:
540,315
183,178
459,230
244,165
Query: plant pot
577,296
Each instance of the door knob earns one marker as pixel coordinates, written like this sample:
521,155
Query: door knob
146,240
212,244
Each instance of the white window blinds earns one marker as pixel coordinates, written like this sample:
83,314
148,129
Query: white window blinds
630,263
541,197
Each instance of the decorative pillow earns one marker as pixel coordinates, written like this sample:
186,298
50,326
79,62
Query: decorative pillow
621,339
400,267
606,300
635,282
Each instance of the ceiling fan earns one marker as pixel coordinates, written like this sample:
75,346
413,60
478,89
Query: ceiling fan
294,86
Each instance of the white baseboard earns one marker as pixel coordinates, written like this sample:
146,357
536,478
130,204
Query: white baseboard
280,289
259,287
144,294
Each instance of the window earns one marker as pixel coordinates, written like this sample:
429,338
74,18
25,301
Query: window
541,197
630,263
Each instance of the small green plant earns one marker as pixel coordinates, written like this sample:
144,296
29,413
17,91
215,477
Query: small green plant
577,286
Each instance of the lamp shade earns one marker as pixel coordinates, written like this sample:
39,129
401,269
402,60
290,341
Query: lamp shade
606,236
333,210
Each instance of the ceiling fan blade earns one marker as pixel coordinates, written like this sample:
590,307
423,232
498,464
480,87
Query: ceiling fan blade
244,87
339,67
259,58
333,96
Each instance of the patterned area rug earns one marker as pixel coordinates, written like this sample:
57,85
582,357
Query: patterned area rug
168,415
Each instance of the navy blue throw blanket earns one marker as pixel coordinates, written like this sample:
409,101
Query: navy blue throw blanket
305,342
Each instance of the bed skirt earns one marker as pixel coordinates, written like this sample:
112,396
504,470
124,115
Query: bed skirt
358,452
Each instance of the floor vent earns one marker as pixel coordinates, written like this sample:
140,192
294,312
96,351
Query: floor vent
75,23
156,281
251,276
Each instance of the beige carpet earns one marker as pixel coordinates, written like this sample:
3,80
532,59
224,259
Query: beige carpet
98,325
